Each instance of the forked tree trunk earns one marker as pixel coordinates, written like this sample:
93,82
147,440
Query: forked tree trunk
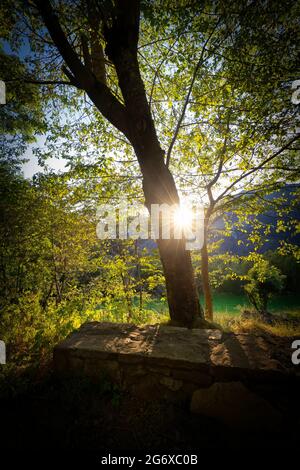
205,277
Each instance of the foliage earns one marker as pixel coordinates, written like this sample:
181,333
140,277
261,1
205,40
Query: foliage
55,273
263,280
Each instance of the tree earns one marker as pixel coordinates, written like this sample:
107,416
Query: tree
110,32
263,280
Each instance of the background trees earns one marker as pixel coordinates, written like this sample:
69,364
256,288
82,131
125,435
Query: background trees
55,273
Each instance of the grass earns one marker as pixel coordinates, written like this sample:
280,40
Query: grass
239,325
227,314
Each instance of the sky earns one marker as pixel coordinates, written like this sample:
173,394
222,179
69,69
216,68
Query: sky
32,166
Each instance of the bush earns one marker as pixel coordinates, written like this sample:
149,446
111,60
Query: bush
263,280
30,331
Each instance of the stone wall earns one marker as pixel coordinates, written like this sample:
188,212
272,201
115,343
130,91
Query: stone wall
158,361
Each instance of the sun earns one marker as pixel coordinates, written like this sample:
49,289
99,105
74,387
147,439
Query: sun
183,218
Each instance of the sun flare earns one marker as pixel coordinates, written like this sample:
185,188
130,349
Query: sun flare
183,218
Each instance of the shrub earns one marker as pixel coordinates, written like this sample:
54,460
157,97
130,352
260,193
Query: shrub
263,280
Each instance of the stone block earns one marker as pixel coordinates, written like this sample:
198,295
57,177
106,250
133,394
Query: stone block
236,406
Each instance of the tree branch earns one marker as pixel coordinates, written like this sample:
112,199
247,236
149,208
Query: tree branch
98,92
85,51
258,167
71,77
97,54
181,117
40,82
221,162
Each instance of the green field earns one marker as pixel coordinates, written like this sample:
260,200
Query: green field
231,304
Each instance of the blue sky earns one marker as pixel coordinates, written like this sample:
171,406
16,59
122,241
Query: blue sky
31,167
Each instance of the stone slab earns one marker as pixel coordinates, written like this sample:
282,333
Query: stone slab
188,356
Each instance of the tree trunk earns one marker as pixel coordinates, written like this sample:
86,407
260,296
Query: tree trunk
159,188
205,277
184,306
139,275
